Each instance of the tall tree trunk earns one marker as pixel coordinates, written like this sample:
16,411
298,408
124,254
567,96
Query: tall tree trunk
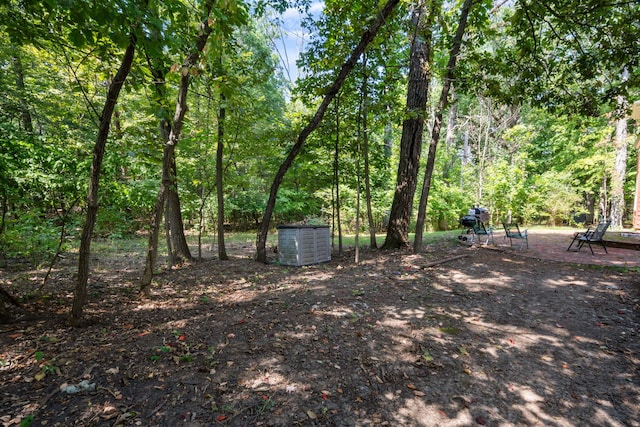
358,179
222,251
437,123
484,134
450,134
80,294
411,141
169,150
336,175
367,37
619,174
365,153
179,246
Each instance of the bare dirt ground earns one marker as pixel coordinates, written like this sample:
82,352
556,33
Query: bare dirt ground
492,337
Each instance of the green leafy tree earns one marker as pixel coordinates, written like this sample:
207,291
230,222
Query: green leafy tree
328,97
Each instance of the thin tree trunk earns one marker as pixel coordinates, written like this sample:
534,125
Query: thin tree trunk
411,141
169,150
222,251
437,123
80,294
167,233
5,210
357,236
333,218
367,37
466,156
204,195
365,154
336,175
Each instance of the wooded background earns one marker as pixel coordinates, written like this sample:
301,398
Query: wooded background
398,119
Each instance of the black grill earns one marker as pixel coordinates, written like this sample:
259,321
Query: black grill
479,216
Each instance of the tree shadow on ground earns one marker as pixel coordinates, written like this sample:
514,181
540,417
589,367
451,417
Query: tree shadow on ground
489,338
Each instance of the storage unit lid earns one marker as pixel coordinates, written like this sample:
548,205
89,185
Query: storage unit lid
300,226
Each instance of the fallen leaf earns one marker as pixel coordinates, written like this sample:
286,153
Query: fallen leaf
419,393
221,418
141,334
15,336
290,389
411,386
40,376
312,415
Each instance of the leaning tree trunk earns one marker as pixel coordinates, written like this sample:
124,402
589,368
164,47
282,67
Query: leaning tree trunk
437,124
367,37
80,294
411,140
169,150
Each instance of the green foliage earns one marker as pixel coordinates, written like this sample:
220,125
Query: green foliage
31,237
27,421
294,205
446,202
551,199
535,164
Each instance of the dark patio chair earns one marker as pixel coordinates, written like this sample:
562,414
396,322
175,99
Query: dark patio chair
481,232
512,231
590,236
579,234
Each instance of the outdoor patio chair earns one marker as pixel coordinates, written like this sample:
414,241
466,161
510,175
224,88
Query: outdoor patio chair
591,236
481,232
579,234
512,231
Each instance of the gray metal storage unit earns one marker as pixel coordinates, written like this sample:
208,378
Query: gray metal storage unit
303,244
